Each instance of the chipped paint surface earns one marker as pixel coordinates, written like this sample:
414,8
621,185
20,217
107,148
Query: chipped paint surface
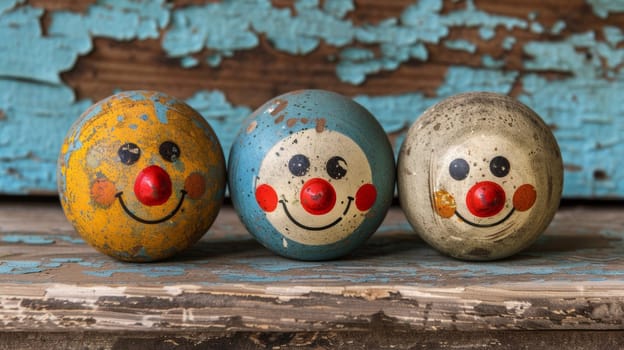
585,113
493,168
311,174
462,45
571,249
141,175
602,8
32,239
572,278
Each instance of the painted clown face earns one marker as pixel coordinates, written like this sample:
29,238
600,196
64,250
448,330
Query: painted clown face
315,197
485,187
480,176
311,175
141,176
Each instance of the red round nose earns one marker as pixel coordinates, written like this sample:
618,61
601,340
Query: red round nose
318,196
152,186
485,199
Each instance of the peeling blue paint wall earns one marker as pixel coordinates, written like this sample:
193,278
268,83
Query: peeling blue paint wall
582,103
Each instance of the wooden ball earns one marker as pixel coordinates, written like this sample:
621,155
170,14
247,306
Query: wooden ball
311,174
141,176
480,176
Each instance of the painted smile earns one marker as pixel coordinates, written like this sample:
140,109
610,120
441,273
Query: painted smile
144,221
485,225
319,228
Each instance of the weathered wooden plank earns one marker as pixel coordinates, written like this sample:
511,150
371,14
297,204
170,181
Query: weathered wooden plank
380,336
571,279
562,58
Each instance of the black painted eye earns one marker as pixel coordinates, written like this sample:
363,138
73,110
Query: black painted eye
129,153
499,166
299,165
459,169
169,151
336,167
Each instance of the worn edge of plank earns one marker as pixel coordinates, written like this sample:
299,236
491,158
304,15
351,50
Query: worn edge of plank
233,307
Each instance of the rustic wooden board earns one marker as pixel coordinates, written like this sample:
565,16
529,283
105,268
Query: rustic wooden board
562,58
571,279
380,336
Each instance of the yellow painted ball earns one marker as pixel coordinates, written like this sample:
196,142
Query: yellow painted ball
141,176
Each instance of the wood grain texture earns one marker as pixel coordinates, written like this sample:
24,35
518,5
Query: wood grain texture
562,58
380,336
571,279
251,77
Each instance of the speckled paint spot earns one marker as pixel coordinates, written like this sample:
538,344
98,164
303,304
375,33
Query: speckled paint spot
278,107
320,125
252,126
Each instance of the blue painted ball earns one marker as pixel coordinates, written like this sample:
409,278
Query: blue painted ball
311,174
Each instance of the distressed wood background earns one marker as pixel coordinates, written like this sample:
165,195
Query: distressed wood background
562,58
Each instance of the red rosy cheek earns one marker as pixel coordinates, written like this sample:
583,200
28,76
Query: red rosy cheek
365,197
266,197
524,197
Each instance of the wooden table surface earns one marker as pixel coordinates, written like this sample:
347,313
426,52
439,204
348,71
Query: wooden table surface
571,279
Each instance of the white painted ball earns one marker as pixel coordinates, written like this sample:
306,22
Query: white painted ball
480,176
